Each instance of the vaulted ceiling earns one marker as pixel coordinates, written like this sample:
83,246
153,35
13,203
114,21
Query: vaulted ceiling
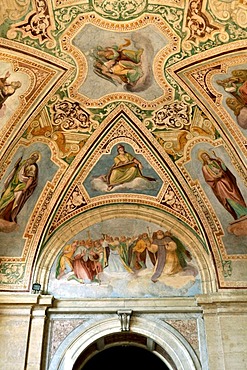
166,79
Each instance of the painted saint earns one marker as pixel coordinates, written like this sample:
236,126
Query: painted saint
65,260
18,188
142,254
125,169
171,257
119,65
223,184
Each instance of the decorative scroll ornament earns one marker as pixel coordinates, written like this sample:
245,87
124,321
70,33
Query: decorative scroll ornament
227,268
120,132
37,25
201,77
119,9
226,10
11,273
70,116
173,116
66,124
175,140
13,9
73,202
200,26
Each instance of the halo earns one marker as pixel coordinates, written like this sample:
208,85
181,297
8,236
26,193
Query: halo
37,154
200,153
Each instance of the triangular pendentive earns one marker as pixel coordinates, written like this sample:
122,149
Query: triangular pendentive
96,159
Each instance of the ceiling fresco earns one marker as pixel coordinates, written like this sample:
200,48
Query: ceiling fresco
123,147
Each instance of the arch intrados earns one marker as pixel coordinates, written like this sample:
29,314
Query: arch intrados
121,352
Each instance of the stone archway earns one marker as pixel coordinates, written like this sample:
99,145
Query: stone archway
161,339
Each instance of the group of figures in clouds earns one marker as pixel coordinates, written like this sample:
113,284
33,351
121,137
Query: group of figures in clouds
89,260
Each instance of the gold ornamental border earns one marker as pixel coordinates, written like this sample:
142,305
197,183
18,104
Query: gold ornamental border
57,4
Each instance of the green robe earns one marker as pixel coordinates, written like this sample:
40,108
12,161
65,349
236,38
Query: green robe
124,170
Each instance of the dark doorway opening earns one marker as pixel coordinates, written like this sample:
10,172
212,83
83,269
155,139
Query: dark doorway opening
127,357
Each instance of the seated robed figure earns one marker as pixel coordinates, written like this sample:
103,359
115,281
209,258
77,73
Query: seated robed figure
125,169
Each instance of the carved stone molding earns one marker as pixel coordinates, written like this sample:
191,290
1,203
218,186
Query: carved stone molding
124,317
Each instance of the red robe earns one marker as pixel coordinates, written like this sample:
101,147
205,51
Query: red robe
224,186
